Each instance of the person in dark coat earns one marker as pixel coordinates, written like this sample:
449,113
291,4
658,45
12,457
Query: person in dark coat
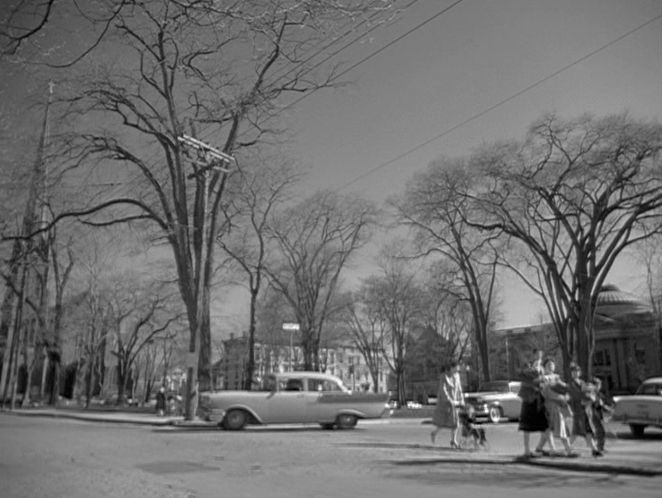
532,413
600,410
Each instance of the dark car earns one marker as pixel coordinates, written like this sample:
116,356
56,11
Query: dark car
496,400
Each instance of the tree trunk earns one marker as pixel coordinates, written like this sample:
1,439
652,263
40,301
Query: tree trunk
121,383
250,363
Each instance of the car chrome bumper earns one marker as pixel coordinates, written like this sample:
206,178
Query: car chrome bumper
482,410
211,415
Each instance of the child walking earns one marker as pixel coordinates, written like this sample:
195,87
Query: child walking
600,410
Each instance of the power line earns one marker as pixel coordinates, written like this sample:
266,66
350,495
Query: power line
352,29
333,54
498,104
375,53
206,136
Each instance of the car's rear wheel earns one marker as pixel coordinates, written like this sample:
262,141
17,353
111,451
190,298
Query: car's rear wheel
346,421
235,420
637,429
495,414
328,427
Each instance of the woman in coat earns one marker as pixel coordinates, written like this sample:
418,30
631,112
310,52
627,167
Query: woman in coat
449,400
559,414
533,417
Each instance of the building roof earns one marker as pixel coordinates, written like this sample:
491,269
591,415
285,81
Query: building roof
613,303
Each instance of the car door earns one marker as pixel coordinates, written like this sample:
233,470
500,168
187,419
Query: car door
334,399
289,403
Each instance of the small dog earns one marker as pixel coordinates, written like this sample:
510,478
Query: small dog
470,429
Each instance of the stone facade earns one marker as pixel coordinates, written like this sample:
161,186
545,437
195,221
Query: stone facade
627,343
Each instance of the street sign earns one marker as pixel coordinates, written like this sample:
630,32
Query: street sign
291,326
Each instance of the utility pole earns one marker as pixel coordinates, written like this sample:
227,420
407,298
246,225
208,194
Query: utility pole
205,160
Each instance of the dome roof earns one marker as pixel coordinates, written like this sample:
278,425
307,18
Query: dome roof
614,303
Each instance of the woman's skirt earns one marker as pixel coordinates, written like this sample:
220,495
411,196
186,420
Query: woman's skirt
445,415
559,417
532,416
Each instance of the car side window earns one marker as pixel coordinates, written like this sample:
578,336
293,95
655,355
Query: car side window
323,385
294,385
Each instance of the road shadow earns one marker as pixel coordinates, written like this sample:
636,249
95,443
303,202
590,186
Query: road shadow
650,434
253,429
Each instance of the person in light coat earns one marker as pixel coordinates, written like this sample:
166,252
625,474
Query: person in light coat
449,400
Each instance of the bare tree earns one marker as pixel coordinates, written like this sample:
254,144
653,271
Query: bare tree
140,314
61,276
435,209
396,298
316,238
447,312
187,65
368,330
574,194
265,185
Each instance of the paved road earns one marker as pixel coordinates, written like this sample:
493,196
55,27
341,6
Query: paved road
55,457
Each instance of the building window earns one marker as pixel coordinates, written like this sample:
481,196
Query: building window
602,358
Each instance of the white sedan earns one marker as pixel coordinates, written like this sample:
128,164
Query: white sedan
496,400
292,398
641,409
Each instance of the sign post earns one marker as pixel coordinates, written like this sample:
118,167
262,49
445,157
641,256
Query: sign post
291,327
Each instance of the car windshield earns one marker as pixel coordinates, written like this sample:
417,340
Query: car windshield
501,387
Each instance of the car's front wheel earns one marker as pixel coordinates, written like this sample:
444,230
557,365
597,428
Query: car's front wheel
495,414
235,420
346,421
637,430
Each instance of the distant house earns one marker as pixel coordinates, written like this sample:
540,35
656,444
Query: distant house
341,359
627,343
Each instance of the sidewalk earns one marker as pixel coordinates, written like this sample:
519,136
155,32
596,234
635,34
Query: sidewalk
624,456
110,416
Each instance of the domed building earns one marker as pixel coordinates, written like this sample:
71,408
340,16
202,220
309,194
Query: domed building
627,343
627,340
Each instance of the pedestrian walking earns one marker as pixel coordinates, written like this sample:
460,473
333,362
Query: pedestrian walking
582,396
557,407
449,401
600,410
532,413
160,402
